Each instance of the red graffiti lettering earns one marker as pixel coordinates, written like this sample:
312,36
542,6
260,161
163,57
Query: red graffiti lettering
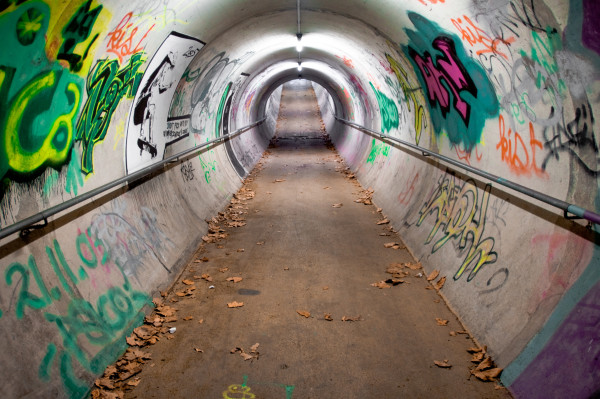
474,35
121,39
520,157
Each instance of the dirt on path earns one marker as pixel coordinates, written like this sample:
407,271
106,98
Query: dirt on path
287,298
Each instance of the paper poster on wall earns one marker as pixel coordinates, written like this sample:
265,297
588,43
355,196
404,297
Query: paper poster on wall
149,129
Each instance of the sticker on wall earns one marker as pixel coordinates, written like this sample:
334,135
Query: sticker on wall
149,129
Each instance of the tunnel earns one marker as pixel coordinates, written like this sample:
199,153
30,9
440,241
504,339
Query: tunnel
126,127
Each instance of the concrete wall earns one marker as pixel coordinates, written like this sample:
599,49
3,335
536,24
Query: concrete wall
93,90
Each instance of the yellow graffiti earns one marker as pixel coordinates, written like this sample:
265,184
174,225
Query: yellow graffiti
20,158
239,392
409,92
120,133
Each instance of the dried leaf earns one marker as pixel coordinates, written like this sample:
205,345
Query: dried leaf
326,188
278,180
303,313
328,317
240,250
188,282
443,364
254,348
207,277
325,288
395,268
380,284
477,357
135,382
235,279
260,243
441,322
246,356
200,321
223,269
180,294
337,205
105,383
204,259
433,275
351,318
485,364
389,244
384,221
414,266
488,375
440,283
188,318
235,304
475,350
198,350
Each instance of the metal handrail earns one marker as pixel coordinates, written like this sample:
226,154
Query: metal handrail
566,207
26,225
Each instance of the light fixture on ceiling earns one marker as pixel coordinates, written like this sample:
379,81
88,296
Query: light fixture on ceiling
299,67
299,44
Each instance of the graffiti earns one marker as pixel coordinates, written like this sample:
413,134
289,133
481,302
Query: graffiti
239,392
243,391
424,2
409,94
376,149
85,325
123,39
148,128
503,271
520,157
405,196
208,165
458,209
460,95
575,137
106,86
388,111
187,171
78,31
474,35
347,61
129,244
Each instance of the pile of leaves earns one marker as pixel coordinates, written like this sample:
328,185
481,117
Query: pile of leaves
399,272
486,370
365,197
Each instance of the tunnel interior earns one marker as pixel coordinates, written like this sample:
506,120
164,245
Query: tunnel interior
100,98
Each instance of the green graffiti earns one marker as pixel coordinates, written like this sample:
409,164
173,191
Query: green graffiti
219,120
106,86
388,110
74,175
44,369
76,31
39,103
409,94
376,149
28,25
461,96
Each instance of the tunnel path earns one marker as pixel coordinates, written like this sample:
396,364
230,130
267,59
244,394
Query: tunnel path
297,252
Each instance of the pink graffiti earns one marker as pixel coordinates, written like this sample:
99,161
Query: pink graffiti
465,155
450,69
473,35
347,61
120,39
405,196
431,1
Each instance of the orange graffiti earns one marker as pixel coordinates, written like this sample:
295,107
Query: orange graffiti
474,35
120,39
431,1
516,153
465,155
347,61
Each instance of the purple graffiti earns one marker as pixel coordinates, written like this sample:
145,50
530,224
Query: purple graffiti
590,27
447,67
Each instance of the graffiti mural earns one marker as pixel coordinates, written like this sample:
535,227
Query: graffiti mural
410,96
376,149
124,40
106,86
518,153
39,103
460,94
460,215
149,129
81,323
388,110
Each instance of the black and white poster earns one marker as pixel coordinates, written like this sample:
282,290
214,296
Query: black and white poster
149,129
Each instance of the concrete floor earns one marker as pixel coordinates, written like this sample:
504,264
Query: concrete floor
302,254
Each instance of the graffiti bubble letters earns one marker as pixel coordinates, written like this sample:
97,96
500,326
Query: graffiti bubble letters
449,69
122,40
519,156
463,216
476,36
460,94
